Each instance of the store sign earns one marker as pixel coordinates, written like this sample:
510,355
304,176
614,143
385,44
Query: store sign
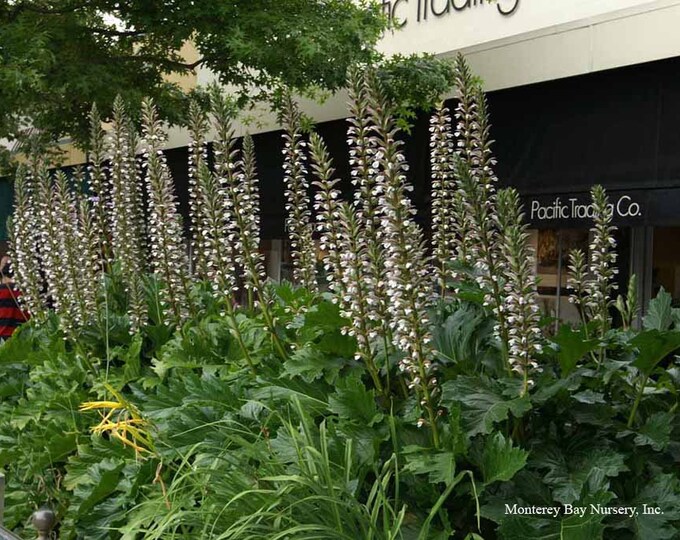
401,12
540,210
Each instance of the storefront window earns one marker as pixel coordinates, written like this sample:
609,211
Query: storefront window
552,248
666,262
552,261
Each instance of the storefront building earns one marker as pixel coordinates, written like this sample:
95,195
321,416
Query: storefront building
581,92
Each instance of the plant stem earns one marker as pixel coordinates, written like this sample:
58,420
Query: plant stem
251,301
237,333
269,321
386,344
638,398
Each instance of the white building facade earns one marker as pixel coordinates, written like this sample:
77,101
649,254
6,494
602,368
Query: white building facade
580,91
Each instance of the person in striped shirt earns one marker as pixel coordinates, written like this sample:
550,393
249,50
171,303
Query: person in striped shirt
11,314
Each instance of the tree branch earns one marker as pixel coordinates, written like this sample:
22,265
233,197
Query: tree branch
180,66
115,33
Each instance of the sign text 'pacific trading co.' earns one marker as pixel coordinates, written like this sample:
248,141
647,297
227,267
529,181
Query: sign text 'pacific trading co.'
400,12
574,208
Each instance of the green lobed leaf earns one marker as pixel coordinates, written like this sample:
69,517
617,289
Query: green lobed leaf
311,363
102,480
662,492
501,460
573,346
656,432
483,404
352,401
659,313
578,468
438,466
653,347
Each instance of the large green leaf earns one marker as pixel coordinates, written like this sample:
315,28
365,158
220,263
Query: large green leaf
352,401
311,363
574,469
500,459
463,336
438,466
483,403
663,492
656,432
653,347
659,313
102,480
573,345
528,528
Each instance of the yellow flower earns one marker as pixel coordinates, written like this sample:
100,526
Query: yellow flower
122,421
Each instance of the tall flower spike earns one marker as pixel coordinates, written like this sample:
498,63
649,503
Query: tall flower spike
255,275
126,234
298,222
521,306
198,155
443,191
99,186
327,201
24,241
577,281
409,279
168,252
49,234
467,128
238,244
215,231
474,173
238,180
90,270
364,178
354,302
76,310
137,207
603,269
253,264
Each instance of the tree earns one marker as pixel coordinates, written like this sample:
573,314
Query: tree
60,56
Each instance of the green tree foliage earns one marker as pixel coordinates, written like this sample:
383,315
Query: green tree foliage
60,56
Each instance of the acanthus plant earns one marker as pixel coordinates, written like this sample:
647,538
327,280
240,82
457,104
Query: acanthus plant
520,288
602,268
442,172
199,226
79,300
355,296
409,280
477,192
127,238
24,242
99,186
49,244
211,212
592,279
168,252
298,206
326,203
346,258
308,430
236,227
90,255
364,179
577,281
